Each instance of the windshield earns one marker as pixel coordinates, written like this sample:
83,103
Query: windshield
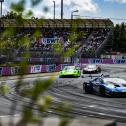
69,68
91,66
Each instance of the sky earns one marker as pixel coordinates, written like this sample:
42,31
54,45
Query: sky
87,9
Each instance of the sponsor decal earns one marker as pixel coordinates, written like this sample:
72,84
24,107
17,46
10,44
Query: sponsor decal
95,61
1,70
119,61
51,68
47,41
14,70
36,69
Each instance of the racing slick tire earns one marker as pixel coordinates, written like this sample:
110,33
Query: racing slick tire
79,75
87,88
99,70
102,91
60,76
84,72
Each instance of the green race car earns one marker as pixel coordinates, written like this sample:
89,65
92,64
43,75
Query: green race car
70,71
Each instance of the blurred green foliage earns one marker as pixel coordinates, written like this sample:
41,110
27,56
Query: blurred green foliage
4,89
119,38
35,94
18,7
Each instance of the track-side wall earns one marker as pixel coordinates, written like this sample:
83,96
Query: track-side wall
8,71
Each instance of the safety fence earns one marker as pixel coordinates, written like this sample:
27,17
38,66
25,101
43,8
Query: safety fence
8,71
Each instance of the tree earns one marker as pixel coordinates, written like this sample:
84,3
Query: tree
8,43
120,37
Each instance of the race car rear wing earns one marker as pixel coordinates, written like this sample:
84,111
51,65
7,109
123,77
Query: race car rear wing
92,76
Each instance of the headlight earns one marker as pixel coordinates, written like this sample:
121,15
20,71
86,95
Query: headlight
61,72
75,71
110,86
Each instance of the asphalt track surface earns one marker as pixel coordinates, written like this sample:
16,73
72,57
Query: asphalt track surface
69,90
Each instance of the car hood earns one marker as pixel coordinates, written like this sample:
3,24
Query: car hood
121,89
89,69
68,71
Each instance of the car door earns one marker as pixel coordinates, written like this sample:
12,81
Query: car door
96,85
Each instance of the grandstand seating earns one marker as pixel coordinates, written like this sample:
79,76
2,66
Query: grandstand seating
95,41
93,35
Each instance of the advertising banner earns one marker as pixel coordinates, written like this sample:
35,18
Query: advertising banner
107,61
119,61
34,59
57,60
48,60
6,71
95,61
36,69
51,68
1,69
58,68
47,41
14,70
84,60
67,60
43,69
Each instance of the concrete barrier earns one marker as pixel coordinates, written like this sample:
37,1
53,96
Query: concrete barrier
8,71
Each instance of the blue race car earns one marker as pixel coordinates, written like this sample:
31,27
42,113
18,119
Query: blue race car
106,86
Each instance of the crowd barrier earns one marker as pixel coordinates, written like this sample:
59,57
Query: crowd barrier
8,71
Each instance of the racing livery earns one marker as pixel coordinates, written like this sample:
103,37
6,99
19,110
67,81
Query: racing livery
69,71
106,86
91,68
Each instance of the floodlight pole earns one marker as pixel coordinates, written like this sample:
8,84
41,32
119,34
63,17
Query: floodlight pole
71,27
54,9
1,1
73,15
1,9
61,9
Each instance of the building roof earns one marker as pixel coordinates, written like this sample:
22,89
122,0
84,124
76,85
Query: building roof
57,23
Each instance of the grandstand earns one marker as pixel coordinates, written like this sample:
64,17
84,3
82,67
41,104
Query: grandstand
95,33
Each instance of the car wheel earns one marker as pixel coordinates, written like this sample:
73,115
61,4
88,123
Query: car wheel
99,70
102,91
87,88
84,72
79,75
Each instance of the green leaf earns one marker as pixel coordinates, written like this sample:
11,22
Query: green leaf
18,7
28,14
35,2
58,48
